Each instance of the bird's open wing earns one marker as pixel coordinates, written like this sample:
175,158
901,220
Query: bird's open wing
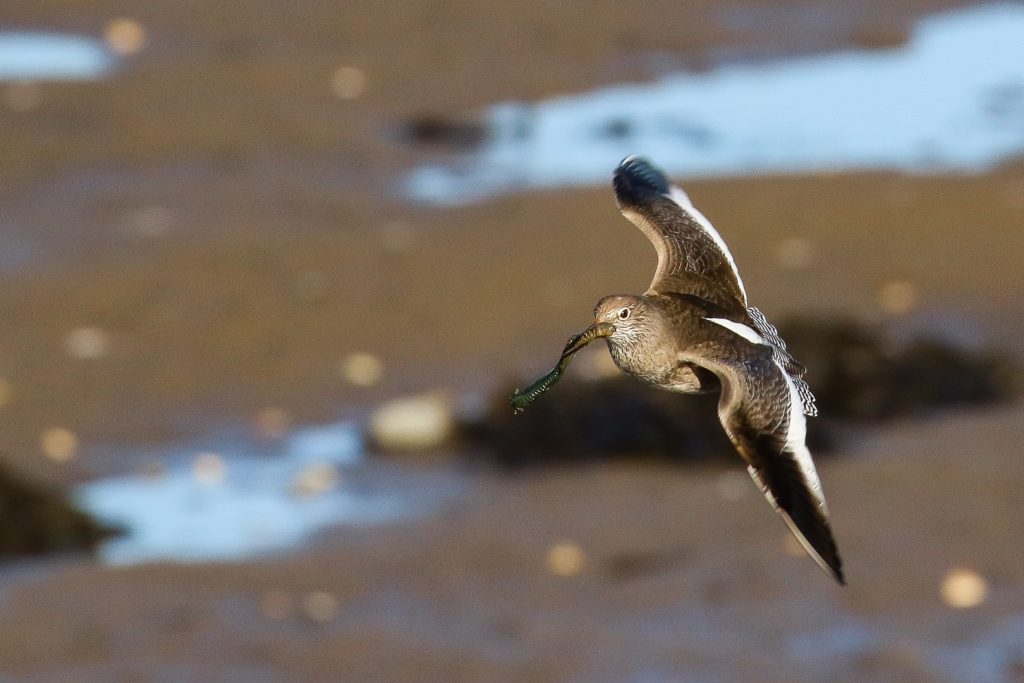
692,256
794,368
762,412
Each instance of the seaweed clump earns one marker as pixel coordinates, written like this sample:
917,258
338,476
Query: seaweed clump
36,521
437,131
857,374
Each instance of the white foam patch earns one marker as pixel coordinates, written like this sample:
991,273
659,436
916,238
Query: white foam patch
951,99
52,56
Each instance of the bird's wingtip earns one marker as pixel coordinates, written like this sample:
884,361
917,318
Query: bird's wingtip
823,551
636,176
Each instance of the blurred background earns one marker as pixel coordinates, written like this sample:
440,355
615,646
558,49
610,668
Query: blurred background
269,272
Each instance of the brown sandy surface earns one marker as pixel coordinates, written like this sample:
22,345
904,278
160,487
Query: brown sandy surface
220,324
684,577
235,229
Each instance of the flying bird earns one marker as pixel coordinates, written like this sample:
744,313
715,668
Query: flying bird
693,331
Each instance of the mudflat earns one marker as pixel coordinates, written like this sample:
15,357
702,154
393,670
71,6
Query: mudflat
236,229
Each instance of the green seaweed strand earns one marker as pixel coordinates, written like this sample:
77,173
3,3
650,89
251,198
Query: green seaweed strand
520,400
529,395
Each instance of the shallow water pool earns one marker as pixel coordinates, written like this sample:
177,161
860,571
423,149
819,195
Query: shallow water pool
32,56
952,99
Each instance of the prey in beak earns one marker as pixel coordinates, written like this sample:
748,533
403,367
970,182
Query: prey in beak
522,399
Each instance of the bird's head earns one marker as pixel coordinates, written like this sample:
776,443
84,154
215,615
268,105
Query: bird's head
626,313
619,318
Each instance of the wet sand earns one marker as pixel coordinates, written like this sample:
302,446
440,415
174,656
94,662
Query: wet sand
235,229
223,324
682,577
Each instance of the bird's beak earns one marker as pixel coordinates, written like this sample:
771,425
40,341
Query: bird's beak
595,331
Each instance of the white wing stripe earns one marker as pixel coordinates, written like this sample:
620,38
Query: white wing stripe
748,333
796,438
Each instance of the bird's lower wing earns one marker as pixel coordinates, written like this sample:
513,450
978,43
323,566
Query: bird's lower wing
785,486
762,412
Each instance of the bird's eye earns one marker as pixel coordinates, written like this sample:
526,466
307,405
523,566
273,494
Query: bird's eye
623,313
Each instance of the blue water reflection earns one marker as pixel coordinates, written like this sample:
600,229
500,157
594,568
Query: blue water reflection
52,56
951,99
234,503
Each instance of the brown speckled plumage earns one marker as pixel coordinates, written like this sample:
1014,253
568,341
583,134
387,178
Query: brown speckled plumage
693,331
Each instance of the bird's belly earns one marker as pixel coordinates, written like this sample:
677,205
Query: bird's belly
667,373
685,380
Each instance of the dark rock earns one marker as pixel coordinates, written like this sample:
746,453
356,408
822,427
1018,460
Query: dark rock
579,422
36,521
617,129
430,129
855,373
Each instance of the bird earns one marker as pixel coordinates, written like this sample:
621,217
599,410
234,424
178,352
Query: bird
693,331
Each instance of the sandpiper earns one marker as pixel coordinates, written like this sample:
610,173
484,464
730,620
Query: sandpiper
692,331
